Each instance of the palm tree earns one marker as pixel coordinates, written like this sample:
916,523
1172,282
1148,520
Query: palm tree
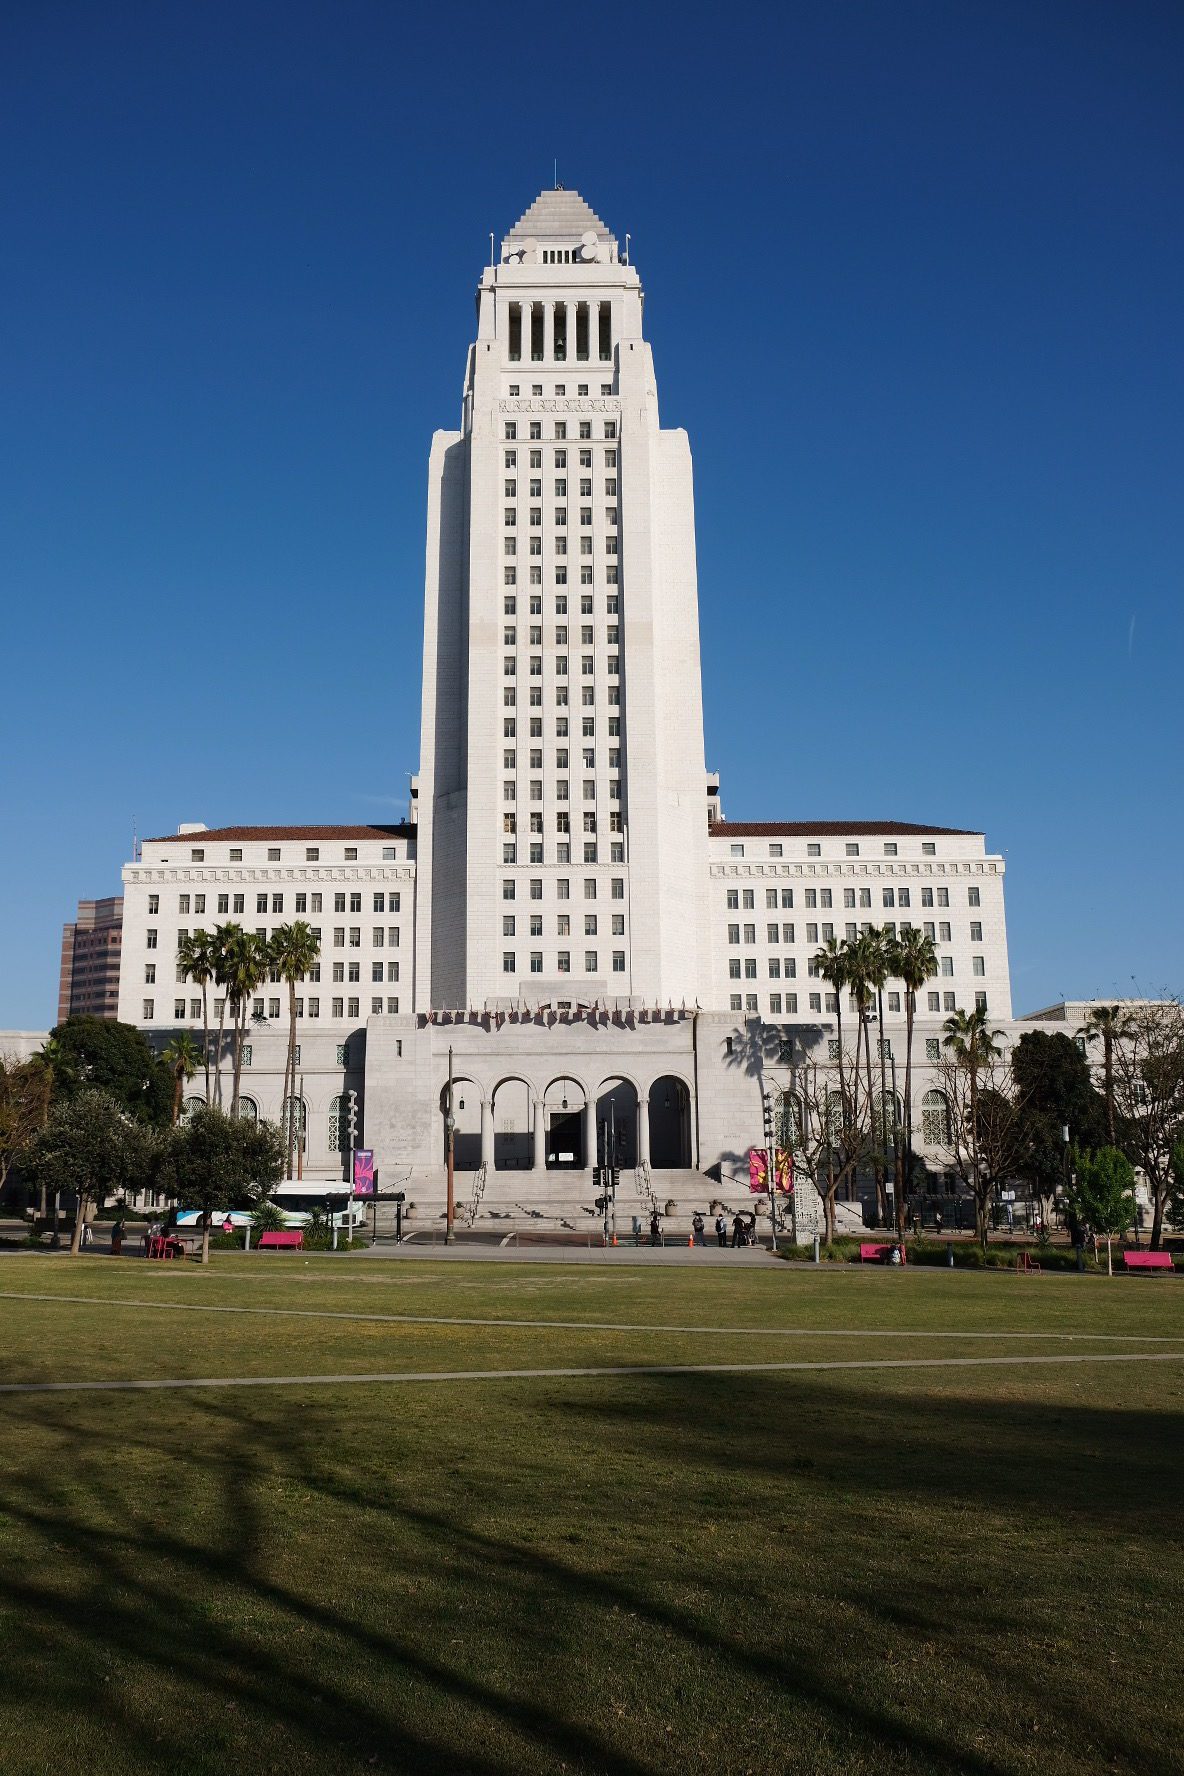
182,1059
196,958
865,970
912,961
222,941
830,964
1107,1024
972,1047
294,951
245,965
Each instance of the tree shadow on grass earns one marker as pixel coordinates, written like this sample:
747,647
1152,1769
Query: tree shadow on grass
151,1544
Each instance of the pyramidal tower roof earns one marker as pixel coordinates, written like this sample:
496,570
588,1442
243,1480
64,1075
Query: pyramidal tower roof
559,214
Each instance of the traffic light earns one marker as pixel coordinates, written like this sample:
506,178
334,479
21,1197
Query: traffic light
616,1178
596,1177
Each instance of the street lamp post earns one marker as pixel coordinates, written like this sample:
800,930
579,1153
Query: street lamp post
450,1152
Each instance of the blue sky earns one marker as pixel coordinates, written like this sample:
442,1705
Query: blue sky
914,286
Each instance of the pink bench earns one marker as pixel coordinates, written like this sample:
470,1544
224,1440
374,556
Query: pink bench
873,1254
1148,1260
292,1237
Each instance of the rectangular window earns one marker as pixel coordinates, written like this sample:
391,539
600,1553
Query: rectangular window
935,1001
978,965
974,897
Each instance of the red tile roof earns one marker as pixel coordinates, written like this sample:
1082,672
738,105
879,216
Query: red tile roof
813,829
275,834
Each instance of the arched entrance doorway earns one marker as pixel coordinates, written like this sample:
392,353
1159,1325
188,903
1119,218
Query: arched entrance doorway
466,1111
670,1124
565,1106
513,1126
616,1124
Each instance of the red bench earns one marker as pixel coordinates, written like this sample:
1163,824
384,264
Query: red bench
873,1254
1148,1260
293,1236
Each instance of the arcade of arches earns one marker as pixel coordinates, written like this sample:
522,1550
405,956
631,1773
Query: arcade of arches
566,1127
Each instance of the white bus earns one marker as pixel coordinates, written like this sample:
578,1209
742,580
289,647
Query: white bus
296,1198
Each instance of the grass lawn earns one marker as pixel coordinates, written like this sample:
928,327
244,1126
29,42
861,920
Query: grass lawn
921,1567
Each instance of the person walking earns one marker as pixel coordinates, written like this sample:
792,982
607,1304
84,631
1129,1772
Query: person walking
697,1227
721,1230
739,1237
116,1238
655,1229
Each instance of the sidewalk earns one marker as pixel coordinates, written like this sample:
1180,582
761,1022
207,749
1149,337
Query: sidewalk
473,1251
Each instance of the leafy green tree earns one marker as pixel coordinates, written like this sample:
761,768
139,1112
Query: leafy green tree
90,1145
24,1109
1102,1194
182,1059
912,961
101,1054
294,951
1149,1098
221,1162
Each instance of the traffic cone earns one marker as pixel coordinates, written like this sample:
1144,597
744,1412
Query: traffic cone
614,1239
690,1239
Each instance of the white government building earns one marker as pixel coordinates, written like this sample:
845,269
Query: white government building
567,908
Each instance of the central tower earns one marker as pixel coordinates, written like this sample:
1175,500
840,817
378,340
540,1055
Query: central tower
562,848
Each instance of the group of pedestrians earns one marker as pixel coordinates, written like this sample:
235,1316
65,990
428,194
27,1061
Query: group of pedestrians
743,1229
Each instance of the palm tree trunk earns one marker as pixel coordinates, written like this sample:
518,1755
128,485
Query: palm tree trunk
240,1031
1108,1055
205,1032
877,1167
910,1012
980,1203
883,1100
290,1069
839,1039
178,1088
218,1054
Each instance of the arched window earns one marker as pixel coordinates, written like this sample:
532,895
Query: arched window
935,1119
294,1108
787,1120
248,1110
189,1106
338,1125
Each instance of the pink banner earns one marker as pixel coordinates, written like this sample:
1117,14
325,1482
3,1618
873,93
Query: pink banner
758,1171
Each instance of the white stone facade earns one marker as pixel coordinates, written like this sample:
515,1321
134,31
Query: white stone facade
568,910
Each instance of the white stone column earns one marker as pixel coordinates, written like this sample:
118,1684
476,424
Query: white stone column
643,1131
539,1156
548,332
588,1124
486,1155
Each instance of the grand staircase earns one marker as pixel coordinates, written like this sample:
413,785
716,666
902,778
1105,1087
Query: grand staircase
561,1205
